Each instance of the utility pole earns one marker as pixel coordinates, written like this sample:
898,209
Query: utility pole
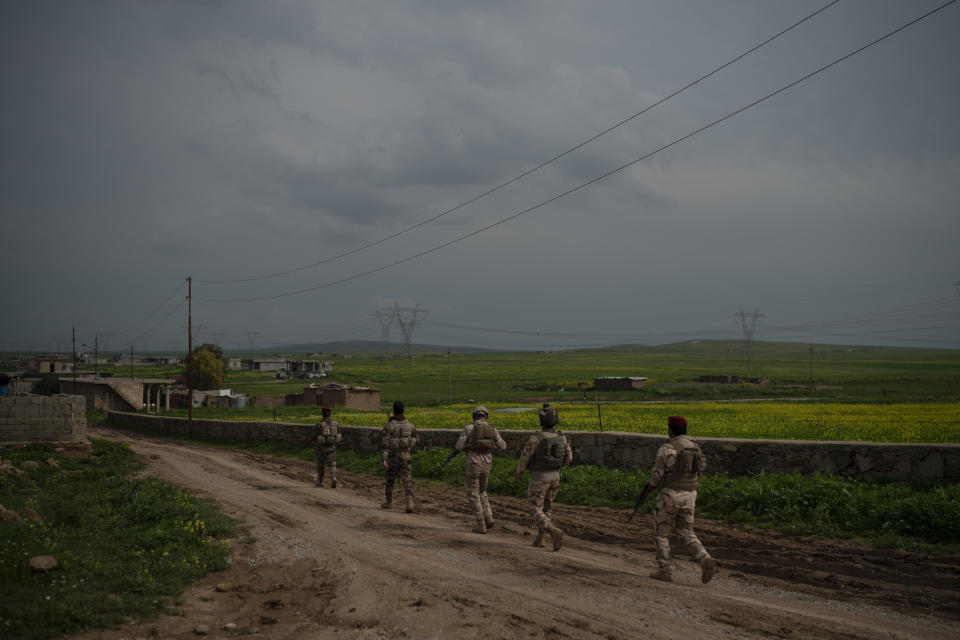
749,322
811,367
131,361
190,355
96,356
74,340
408,323
386,318
449,377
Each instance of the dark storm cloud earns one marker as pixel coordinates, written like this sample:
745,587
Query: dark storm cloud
144,141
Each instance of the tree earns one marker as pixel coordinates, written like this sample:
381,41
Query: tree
208,369
48,385
217,351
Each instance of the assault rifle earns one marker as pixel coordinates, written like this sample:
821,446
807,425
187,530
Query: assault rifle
453,454
640,498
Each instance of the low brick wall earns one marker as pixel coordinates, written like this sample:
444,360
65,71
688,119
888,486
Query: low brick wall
32,418
863,460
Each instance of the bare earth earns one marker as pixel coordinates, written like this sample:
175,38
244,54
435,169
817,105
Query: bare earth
332,564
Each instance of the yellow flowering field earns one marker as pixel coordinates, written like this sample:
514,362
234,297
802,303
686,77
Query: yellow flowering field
928,422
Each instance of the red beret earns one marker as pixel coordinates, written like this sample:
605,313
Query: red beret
325,410
676,421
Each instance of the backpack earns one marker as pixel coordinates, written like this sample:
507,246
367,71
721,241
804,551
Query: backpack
551,452
483,438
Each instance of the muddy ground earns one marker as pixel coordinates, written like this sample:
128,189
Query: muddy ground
327,563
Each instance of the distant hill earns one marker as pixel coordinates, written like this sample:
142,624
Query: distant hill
367,346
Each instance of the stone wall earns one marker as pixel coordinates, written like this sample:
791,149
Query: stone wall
629,451
31,418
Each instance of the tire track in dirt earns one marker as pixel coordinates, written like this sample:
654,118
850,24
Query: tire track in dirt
427,576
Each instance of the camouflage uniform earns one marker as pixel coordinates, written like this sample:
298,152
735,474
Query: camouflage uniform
479,438
676,502
326,438
397,439
544,485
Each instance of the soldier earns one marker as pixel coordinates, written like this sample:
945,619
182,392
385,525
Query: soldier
544,454
398,437
479,439
327,437
676,471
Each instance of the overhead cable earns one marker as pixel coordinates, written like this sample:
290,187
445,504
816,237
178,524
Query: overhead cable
530,171
589,182
152,313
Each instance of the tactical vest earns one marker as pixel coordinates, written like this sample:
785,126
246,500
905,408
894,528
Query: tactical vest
399,435
550,453
483,438
689,464
329,430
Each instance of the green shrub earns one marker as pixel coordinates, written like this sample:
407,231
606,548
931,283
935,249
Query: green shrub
122,542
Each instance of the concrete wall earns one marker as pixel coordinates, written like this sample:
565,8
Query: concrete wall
113,395
30,418
629,451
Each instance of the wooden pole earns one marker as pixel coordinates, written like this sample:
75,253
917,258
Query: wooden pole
190,355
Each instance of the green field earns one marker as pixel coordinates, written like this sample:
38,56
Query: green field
931,422
883,394
831,373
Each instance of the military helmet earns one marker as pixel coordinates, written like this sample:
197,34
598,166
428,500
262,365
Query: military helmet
549,417
480,410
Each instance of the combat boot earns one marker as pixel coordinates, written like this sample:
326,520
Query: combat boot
488,522
557,536
707,566
333,484
660,574
479,527
386,504
538,541
409,508
319,482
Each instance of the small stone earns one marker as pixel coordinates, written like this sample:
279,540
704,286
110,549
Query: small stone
230,626
252,631
201,629
53,463
9,515
224,586
43,563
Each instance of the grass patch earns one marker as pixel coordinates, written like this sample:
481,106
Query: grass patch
922,516
125,544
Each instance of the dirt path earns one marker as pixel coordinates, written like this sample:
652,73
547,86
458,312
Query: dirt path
332,564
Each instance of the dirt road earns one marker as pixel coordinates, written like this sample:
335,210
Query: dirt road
332,564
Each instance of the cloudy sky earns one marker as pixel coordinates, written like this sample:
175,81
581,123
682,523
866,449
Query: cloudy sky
145,142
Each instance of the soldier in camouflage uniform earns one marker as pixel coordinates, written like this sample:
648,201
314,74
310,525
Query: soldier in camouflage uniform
544,454
326,437
398,437
479,439
676,470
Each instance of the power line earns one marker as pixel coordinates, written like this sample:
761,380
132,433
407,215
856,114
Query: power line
589,182
149,315
530,171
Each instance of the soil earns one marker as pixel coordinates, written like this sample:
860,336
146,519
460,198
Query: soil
330,563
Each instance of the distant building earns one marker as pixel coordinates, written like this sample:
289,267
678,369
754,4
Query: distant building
618,383
336,395
258,364
53,366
